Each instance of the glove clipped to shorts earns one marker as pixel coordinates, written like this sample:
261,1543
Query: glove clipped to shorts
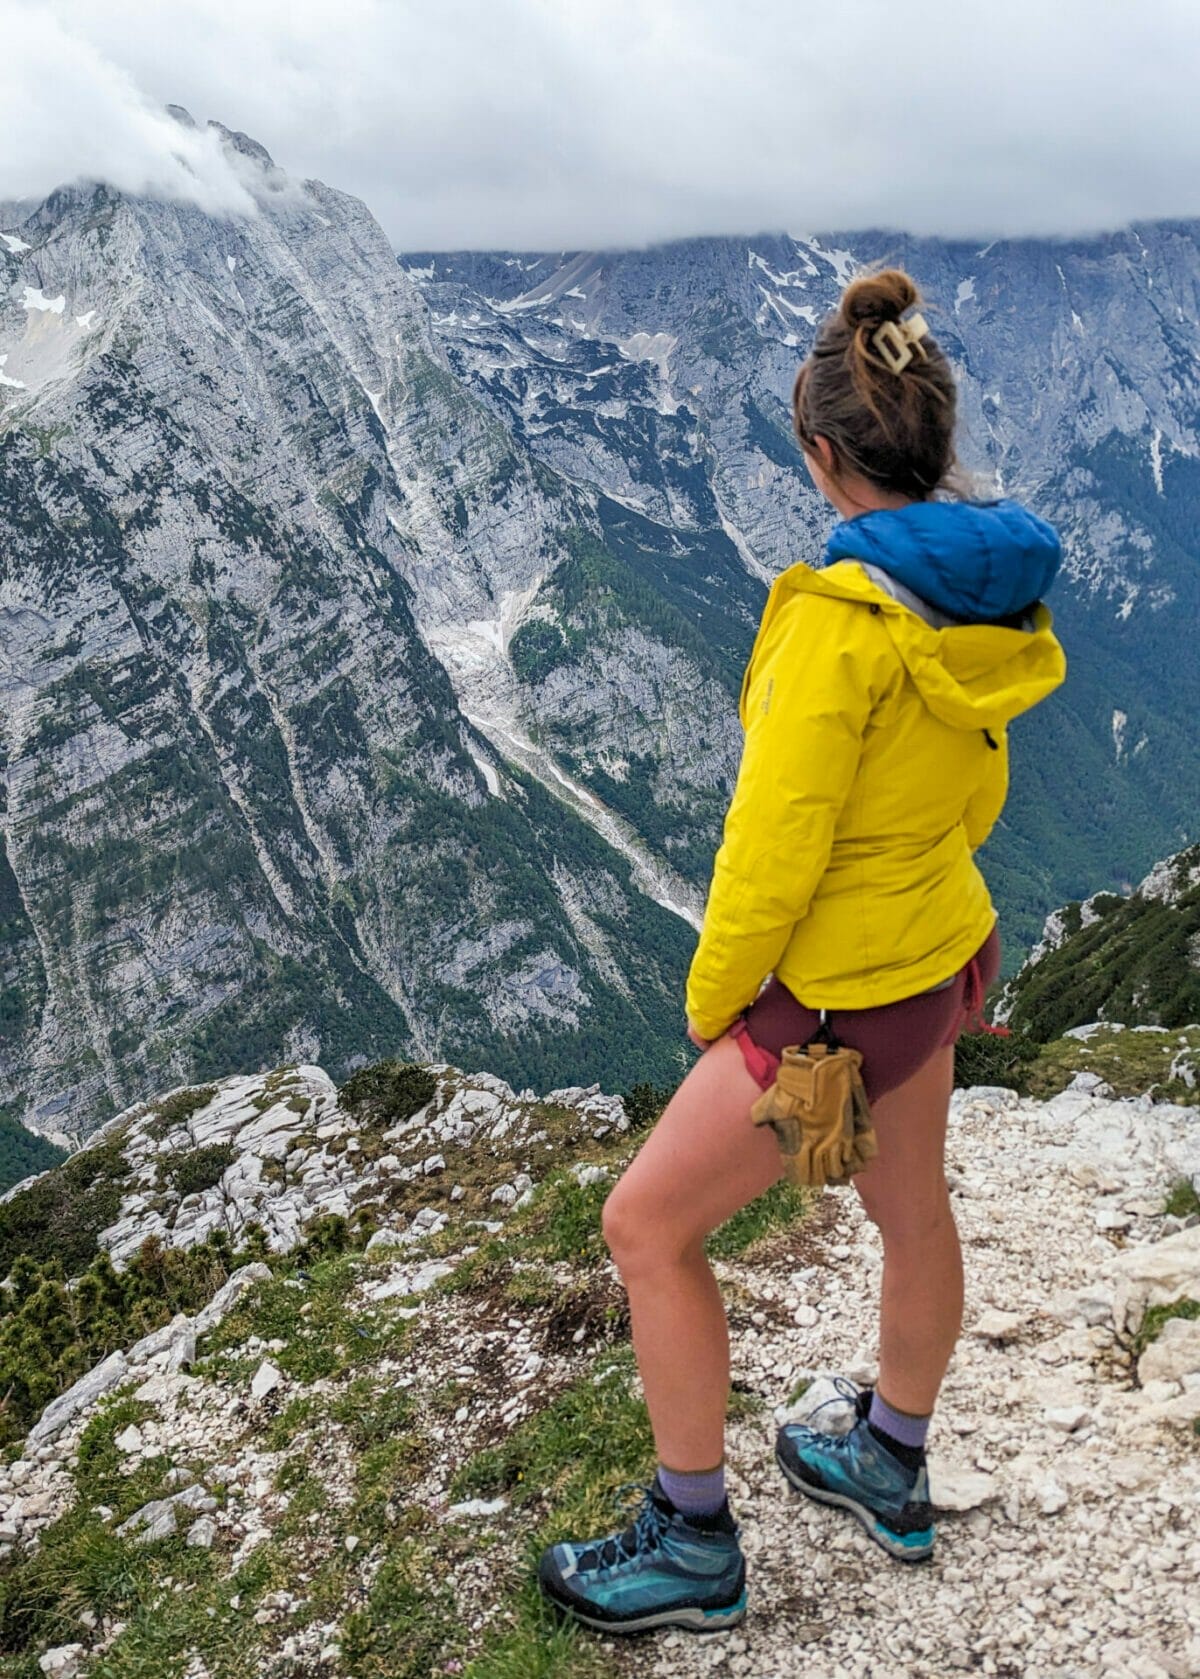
819,1112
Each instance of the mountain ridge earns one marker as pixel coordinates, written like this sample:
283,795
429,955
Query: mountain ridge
369,674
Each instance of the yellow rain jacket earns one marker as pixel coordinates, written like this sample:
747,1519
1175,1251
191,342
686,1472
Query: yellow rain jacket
866,783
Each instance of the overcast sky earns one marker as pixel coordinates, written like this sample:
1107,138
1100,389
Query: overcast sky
551,124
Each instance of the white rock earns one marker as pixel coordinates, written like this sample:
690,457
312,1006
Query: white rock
1091,1083
1174,1354
78,1397
162,1385
995,1325
478,1507
591,1174
202,1532
1156,1274
155,1520
183,1351
1051,1497
1067,1418
952,1487
266,1379
129,1439
823,1407
65,1661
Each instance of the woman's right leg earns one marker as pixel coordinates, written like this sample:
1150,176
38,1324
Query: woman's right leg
703,1162
904,1192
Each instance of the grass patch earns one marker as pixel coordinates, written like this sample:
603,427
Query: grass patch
82,1564
1182,1199
1157,1316
323,1338
1131,1062
572,1458
778,1208
408,1620
592,1435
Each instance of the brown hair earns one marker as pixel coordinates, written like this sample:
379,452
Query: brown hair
894,429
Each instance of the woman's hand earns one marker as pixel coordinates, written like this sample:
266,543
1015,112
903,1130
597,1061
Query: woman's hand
700,1043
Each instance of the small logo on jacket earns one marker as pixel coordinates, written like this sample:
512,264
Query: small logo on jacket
766,704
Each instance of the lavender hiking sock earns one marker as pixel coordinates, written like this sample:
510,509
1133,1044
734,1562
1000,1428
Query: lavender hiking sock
699,1492
901,1432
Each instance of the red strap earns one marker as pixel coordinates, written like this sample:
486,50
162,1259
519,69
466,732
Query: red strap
973,998
760,1063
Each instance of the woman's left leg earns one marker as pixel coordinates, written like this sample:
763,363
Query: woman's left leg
702,1163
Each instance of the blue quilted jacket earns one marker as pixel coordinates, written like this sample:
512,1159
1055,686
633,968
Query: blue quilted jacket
975,560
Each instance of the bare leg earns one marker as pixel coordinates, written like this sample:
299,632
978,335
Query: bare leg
703,1161
904,1192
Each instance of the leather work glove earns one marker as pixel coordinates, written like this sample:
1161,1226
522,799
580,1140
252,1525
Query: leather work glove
818,1109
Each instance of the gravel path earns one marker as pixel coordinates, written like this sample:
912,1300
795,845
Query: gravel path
1075,1547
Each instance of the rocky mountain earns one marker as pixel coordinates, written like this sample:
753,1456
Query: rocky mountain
329,1367
249,514
370,631
662,378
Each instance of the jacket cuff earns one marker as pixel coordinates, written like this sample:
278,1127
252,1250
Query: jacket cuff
710,1026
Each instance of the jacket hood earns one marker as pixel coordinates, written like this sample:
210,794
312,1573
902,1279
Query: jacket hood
971,675
977,560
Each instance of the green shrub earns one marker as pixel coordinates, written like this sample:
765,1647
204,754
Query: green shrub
200,1168
60,1215
644,1105
989,1058
387,1092
50,1334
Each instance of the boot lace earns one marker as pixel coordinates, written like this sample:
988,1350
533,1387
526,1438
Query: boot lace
644,1533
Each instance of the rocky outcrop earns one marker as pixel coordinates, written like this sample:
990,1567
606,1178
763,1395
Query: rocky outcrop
1063,1462
1116,961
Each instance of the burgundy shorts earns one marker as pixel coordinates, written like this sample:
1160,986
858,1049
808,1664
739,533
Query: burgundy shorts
895,1038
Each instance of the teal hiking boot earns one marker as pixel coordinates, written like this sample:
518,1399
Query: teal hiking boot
660,1571
857,1472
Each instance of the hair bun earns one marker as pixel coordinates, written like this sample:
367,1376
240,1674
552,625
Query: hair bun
873,299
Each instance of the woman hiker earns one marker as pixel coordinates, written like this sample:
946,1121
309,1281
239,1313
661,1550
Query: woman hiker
875,707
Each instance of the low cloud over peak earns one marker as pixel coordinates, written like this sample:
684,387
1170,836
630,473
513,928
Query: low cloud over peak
527,124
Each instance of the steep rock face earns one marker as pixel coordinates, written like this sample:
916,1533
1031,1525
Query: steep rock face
248,511
664,376
1133,961
370,632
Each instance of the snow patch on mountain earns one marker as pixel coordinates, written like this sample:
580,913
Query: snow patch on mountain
36,299
1156,459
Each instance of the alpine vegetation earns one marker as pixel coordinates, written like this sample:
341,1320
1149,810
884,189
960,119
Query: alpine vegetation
310,1376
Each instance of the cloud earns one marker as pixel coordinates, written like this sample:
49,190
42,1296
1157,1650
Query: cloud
549,124
67,112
